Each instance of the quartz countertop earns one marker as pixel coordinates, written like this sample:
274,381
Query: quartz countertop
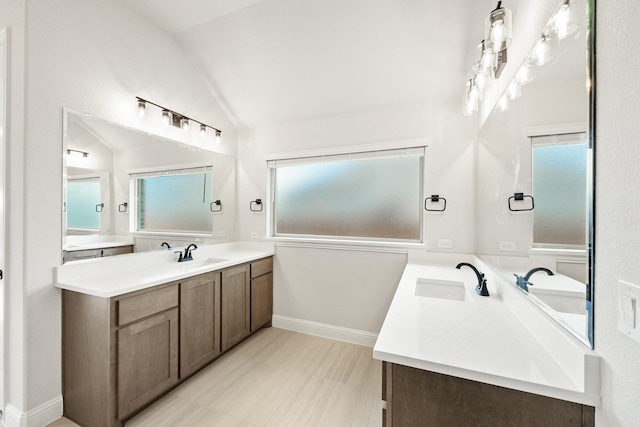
81,243
112,276
481,338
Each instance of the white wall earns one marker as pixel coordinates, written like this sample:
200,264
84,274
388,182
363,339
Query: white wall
338,296
617,226
92,56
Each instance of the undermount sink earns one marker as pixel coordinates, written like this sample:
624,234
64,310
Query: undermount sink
442,289
195,265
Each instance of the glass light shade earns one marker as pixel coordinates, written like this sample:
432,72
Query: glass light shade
513,90
524,74
142,107
218,136
543,51
563,23
485,61
497,30
166,117
184,124
503,103
481,81
203,131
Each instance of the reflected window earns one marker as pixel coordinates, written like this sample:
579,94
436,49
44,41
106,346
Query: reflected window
176,201
83,195
560,190
361,196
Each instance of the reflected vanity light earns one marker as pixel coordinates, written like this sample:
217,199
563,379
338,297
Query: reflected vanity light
142,107
524,74
218,136
170,117
543,51
562,23
503,103
514,90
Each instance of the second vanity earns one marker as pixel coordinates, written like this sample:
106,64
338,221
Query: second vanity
452,357
134,327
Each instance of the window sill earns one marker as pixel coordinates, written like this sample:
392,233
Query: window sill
347,245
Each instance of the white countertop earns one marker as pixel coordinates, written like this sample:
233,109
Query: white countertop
479,339
112,276
81,243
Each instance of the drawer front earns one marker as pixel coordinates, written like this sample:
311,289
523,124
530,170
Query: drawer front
260,267
142,305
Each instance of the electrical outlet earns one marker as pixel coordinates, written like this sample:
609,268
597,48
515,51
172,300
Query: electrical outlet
222,234
445,243
255,235
507,246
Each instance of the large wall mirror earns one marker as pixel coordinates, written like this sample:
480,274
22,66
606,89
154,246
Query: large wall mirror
123,187
535,176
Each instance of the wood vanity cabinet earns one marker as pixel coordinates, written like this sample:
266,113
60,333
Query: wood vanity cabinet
199,322
415,397
261,293
122,353
235,307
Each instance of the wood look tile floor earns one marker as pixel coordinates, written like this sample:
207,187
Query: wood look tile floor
276,378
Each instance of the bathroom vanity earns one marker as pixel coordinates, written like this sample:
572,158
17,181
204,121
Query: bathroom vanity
453,357
135,327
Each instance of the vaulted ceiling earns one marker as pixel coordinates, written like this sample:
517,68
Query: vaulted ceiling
273,61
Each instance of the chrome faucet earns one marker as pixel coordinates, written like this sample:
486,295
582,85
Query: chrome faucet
523,281
187,253
481,288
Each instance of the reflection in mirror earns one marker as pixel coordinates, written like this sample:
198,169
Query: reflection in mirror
126,191
539,144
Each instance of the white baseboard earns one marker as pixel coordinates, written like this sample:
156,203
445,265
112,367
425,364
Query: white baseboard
40,416
339,333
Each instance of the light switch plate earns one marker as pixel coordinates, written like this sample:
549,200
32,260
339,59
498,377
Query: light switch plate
628,297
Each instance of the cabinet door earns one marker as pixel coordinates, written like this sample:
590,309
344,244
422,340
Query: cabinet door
199,322
147,360
235,296
261,301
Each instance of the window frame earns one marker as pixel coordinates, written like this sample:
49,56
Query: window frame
158,172
557,138
388,149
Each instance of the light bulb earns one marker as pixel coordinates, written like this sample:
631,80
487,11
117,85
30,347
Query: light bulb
142,107
184,124
166,117
542,51
524,74
481,81
513,90
497,32
503,103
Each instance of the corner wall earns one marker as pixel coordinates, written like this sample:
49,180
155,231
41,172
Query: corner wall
617,227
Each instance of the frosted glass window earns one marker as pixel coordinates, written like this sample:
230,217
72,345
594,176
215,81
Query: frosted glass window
560,191
174,203
82,198
376,198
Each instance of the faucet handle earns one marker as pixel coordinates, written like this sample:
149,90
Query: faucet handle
481,289
180,258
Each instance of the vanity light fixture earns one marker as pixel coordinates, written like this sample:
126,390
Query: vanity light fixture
72,152
491,56
170,117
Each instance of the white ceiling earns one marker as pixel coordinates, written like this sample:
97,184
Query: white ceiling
273,61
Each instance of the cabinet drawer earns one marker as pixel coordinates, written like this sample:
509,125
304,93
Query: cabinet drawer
140,306
262,266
